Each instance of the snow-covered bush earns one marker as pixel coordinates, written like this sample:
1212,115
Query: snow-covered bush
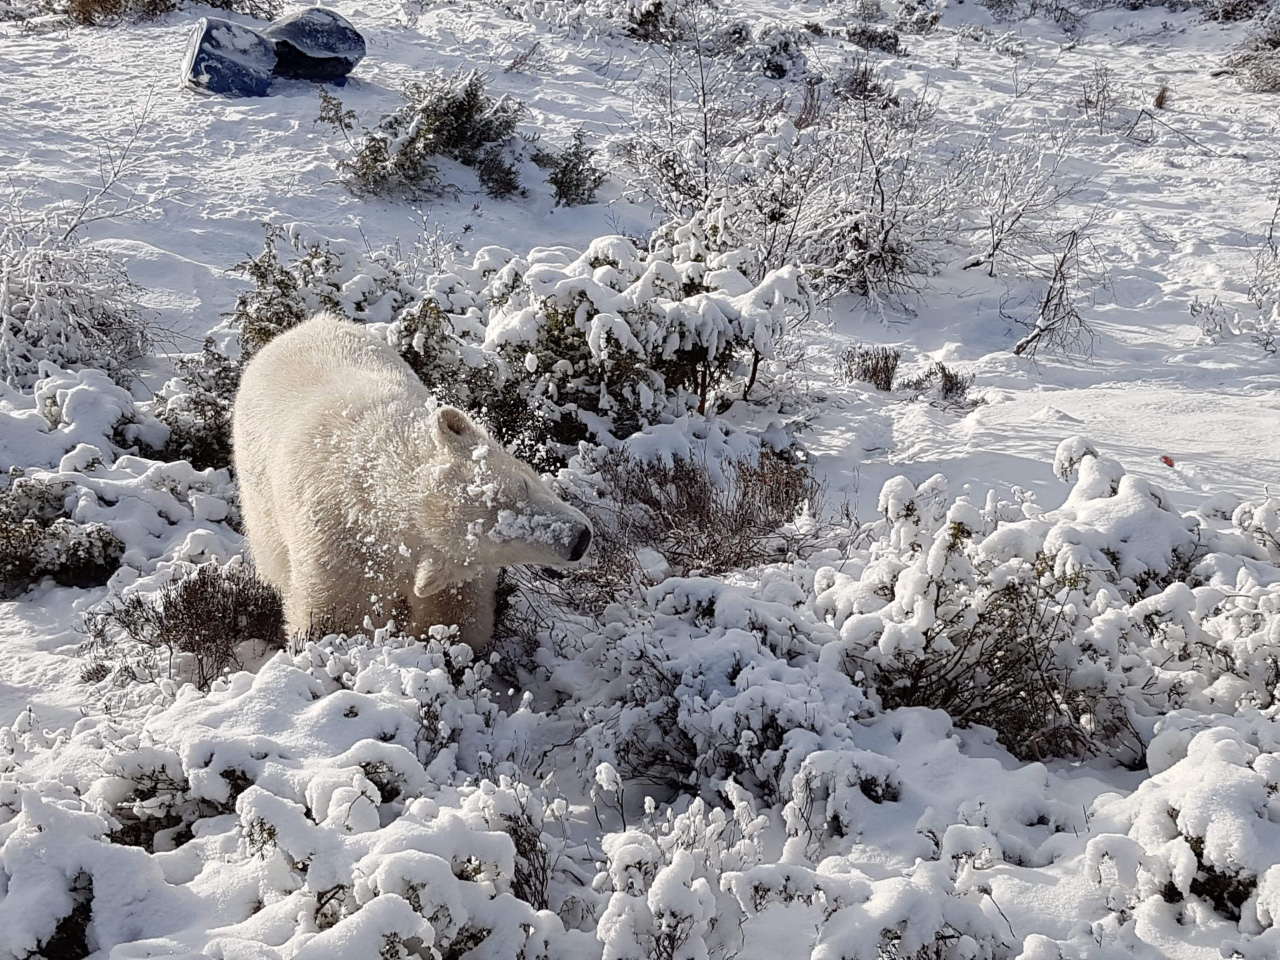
614,338
113,12
871,37
1264,293
38,538
860,80
1202,834
451,117
63,299
88,510
193,629
319,275
646,21
852,189
196,407
772,49
945,388
698,514
1232,11
571,172
1260,522
917,16
1066,629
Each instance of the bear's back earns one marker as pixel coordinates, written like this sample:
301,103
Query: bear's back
331,356
311,385
323,363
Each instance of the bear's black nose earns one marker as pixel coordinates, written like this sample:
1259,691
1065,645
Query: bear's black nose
580,545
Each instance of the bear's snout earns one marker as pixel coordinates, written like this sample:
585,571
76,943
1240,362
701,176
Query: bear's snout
580,545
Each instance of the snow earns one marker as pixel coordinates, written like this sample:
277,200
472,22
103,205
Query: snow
350,797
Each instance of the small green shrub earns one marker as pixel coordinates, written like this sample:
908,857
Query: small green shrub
111,12
874,38
572,174
196,407
442,117
860,80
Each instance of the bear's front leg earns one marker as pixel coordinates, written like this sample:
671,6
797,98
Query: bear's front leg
469,605
335,595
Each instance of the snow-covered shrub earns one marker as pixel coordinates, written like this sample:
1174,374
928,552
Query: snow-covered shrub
877,366
1264,292
917,16
196,407
147,800
842,910
1017,192
1202,830
1218,322
63,299
1233,11
604,342
80,895
859,80
571,172
773,49
1258,71
320,276
944,387
680,515
1099,95
663,879
193,629
450,117
1058,324
113,12
1008,44
22,10
722,679
1261,523
38,538
871,37
990,644
852,189
1261,323
1068,630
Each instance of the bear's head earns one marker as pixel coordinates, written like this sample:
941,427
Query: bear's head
489,509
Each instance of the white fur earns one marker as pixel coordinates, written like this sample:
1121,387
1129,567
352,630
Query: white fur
362,495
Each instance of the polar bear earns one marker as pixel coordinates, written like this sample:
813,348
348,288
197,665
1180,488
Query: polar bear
362,495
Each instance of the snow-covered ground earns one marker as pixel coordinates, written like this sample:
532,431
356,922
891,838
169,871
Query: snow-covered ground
356,799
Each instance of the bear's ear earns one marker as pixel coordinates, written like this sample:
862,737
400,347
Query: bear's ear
454,426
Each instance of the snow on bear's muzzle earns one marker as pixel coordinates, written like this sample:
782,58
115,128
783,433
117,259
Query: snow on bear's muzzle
560,537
